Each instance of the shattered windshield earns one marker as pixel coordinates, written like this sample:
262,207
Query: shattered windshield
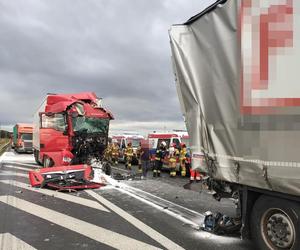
90,124
54,121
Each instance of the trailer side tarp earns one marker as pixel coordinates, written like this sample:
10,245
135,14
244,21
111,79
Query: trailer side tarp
236,76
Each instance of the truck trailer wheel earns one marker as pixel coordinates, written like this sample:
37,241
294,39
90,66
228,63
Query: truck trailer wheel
275,223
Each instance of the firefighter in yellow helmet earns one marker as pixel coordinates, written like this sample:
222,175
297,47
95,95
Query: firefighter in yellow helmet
115,153
128,154
173,156
182,159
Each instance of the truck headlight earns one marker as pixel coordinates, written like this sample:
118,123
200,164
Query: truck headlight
66,159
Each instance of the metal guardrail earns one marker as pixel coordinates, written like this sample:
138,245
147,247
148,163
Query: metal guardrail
4,147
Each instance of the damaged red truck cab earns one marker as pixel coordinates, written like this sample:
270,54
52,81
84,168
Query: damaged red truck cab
70,129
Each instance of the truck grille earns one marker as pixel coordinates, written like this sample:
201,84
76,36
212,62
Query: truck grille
28,145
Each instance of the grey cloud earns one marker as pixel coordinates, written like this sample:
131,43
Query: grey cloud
118,49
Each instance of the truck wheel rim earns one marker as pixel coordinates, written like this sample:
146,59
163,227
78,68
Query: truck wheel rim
278,229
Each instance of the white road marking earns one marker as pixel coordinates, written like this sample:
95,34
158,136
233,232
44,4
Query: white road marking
11,173
162,199
121,187
161,239
34,166
11,156
59,195
89,230
10,242
16,167
161,208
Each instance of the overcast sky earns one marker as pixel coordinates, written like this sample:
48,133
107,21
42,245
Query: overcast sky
118,49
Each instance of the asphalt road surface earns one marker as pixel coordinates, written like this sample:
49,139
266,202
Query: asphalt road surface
129,214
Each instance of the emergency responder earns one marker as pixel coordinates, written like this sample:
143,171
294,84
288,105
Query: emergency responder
138,156
173,156
115,153
194,175
159,156
128,155
145,158
182,159
107,153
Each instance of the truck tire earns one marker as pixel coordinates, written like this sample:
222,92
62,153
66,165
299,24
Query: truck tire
47,162
275,223
36,157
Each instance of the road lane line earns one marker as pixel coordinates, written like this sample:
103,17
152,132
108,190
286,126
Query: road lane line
63,196
10,242
10,173
89,230
161,239
162,199
34,166
131,189
16,167
161,208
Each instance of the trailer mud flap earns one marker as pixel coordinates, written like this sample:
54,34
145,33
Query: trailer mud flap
75,177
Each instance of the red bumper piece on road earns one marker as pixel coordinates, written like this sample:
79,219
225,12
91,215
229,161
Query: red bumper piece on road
64,178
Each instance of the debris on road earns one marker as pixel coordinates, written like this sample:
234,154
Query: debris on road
124,176
65,178
221,224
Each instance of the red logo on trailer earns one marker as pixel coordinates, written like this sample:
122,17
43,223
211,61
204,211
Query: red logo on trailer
267,43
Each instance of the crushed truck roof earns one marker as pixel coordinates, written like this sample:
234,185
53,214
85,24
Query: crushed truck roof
56,103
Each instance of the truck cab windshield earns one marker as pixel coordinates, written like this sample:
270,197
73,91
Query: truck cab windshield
26,137
53,121
90,124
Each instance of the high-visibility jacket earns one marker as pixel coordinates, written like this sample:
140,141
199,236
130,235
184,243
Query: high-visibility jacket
183,153
115,150
173,155
128,151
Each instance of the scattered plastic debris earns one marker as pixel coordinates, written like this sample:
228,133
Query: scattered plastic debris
124,176
221,224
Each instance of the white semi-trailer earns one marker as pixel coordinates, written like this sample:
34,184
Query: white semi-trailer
237,75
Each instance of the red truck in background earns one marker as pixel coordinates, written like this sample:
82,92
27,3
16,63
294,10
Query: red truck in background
70,129
22,138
